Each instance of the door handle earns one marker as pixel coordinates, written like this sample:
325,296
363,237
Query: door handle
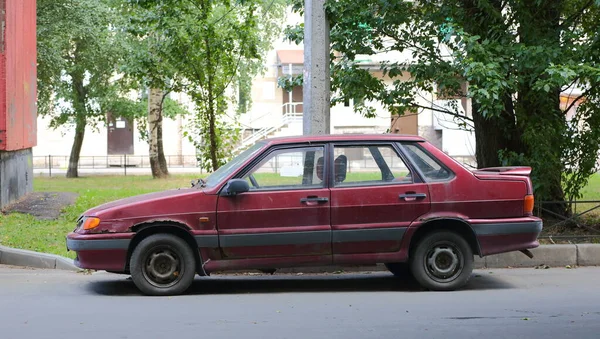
412,196
313,199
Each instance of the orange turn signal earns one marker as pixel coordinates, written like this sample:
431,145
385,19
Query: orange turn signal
91,222
528,204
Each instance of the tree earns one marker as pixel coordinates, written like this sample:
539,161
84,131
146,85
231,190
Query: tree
146,70
212,46
77,57
517,57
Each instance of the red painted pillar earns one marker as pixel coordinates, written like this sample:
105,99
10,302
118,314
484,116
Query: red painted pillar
18,93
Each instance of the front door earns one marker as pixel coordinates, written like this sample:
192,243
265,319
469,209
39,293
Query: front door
119,136
374,198
286,212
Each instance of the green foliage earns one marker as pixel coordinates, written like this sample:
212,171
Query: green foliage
77,57
288,82
209,49
517,57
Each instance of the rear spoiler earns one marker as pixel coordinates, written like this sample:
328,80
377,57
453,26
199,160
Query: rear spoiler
507,170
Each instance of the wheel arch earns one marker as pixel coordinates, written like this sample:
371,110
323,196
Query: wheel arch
459,226
146,229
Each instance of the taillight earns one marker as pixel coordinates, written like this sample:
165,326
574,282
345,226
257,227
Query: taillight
528,204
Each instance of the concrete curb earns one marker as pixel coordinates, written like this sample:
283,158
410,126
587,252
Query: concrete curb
18,257
549,255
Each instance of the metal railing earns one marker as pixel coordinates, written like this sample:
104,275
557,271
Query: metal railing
575,206
262,133
61,162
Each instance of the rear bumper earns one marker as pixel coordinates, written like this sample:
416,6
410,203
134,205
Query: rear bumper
100,251
500,236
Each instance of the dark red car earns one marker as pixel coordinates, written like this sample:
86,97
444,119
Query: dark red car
314,201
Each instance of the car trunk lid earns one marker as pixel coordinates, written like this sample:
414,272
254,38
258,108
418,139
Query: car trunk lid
506,173
505,170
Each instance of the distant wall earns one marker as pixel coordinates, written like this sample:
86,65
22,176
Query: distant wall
16,175
18,92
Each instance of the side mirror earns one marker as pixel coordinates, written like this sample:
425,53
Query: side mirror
235,187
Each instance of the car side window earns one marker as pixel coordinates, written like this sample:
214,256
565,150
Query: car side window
369,165
294,168
430,167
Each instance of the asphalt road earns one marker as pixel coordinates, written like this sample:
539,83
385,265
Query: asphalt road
517,303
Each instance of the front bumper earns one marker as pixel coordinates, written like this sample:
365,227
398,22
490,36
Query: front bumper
100,251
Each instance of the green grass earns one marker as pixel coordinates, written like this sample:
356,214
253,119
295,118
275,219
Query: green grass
590,192
266,179
27,232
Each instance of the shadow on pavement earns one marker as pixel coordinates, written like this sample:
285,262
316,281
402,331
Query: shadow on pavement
244,284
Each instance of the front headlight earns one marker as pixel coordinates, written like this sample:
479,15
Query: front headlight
90,223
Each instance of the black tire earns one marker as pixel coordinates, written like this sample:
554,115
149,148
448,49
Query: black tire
399,269
442,261
162,264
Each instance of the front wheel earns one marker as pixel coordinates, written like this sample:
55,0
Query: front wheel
163,264
442,261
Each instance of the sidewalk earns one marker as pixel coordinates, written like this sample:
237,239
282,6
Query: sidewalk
545,255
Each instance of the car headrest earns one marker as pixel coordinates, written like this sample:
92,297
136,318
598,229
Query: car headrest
320,163
339,166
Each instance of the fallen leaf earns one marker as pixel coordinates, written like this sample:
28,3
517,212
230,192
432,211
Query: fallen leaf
525,319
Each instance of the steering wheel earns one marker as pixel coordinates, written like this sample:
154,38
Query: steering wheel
253,181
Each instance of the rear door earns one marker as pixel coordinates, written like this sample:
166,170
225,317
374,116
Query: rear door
286,212
375,196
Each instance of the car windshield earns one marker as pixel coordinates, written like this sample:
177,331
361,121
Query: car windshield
225,170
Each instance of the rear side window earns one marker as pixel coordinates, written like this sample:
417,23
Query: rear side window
431,168
369,165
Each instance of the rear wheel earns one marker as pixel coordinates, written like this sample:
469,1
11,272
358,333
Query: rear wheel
442,261
163,264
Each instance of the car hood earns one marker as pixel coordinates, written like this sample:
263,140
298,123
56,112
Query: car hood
165,202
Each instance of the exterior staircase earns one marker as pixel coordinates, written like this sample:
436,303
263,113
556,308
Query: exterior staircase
290,123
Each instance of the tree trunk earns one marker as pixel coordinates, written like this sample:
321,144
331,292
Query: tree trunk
76,149
493,134
158,164
80,109
489,138
162,161
212,114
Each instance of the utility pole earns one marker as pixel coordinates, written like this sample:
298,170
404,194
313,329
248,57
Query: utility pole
316,85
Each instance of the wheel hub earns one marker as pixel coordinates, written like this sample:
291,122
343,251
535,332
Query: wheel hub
443,262
162,268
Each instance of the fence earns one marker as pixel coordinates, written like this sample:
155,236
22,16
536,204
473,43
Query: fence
61,162
578,209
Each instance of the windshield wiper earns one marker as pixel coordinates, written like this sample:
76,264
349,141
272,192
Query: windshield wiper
199,182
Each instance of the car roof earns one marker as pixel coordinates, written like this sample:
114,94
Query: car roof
342,137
